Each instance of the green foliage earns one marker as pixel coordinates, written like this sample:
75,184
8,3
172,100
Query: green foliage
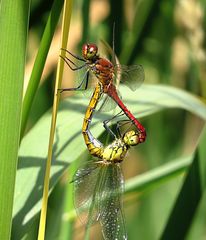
40,61
31,162
166,187
13,27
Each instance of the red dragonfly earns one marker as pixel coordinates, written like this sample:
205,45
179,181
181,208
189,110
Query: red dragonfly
106,72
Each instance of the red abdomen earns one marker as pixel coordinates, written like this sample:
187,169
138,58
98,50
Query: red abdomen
112,92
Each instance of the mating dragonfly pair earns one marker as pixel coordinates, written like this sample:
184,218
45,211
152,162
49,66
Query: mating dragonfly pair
99,184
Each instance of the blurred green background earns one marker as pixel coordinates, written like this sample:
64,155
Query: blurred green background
168,39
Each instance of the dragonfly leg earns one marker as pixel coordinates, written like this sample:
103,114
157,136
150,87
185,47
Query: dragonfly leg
121,124
73,55
69,61
119,114
106,123
79,87
108,129
141,134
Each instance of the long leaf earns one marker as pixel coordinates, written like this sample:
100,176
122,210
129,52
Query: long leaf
158,175
64,39
40,61
188,199
13,27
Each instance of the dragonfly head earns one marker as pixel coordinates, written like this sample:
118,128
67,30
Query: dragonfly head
89,51
131,138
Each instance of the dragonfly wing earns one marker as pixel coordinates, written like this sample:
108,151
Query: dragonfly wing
81,75
111,214
109,51
107,103
86,191
132,76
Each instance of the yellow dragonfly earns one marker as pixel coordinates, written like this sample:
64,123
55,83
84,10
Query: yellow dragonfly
99,183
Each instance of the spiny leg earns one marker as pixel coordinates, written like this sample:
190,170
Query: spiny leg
73,55
75,67
69,61
80,85
106,123
121,124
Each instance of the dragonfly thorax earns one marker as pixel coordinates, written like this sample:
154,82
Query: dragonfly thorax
103,70
115,152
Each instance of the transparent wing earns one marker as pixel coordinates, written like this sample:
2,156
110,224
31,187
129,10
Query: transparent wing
87,181
106,104
109,51
92,81
132,76
111,214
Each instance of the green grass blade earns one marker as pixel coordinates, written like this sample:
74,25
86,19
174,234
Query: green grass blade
158,175
116,23
40,61
66,229
154,98
64,39
144,14
197,231
202,155
85,21
188,200
185,206
13,27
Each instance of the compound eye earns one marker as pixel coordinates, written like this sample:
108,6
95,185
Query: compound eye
89,51
92,51
85,48
93,48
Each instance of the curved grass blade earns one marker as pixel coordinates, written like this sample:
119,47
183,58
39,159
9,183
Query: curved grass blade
186,205
149,99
